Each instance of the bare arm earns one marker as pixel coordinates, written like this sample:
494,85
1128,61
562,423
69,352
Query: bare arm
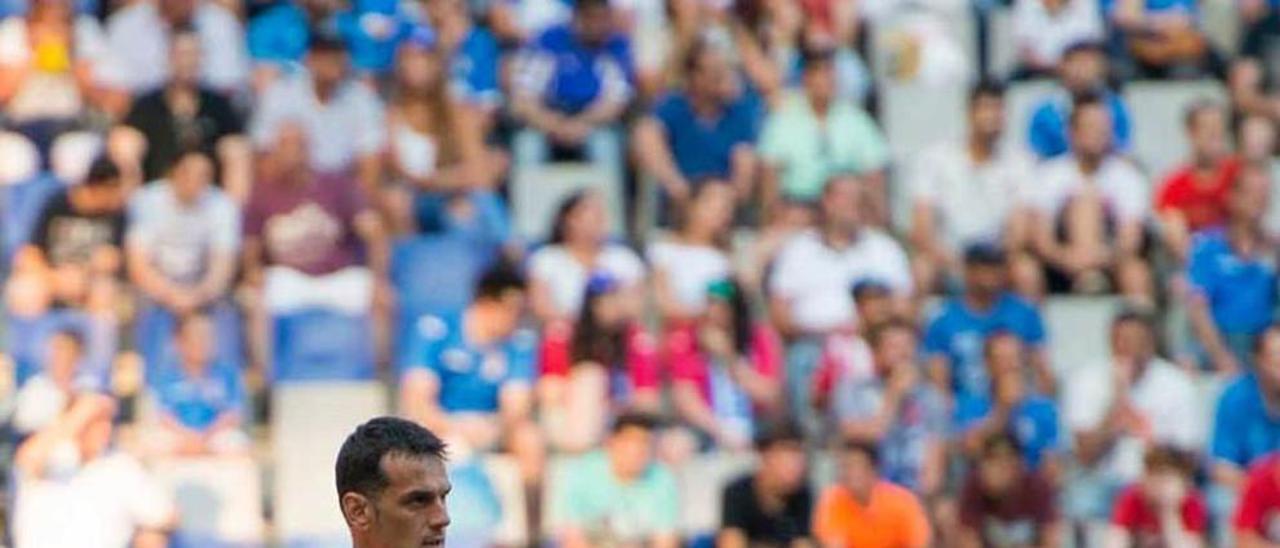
668,305
744,170
1045,379
147,278
1206,331
33,454
655,158
731,538
217,277
1176,236
764,391
420,401
236,157
693,409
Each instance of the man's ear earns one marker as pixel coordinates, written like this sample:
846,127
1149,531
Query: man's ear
357,510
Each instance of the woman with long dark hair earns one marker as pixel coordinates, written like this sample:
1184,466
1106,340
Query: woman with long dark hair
592,369
696,255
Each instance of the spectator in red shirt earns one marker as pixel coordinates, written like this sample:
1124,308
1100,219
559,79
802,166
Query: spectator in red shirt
725,370
1161,509
1257,518
593,369
1194,197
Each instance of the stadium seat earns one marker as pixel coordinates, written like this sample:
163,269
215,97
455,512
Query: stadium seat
1002,58
1157,108
219,501
322,345
702,480
432,275
1019,101
1077,329
916,116
153,335
309,421
21,203
26,337
536,192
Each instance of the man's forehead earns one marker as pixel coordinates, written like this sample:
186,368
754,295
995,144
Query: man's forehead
407,472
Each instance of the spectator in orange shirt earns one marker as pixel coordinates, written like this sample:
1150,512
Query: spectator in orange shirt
864,511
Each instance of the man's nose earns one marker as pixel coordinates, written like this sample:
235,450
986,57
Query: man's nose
440,517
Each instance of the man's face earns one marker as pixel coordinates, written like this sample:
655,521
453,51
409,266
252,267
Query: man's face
896,347
410,511
509,310
1208,134
986,116
985,279
100,198
1091,135
184,59
874,308
998,472
842,204
594,24
1257,138
328,68
786,462
191,176
64,358
1250,196
1082,70
1269,359
1132,340
859,473
631,451
193,344
820,81
712,77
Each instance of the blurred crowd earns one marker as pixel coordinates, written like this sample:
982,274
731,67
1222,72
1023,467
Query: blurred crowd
206,201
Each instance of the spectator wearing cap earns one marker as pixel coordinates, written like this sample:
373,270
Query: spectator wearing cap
1082,72
772,505
864,510
809,287
1045,29
436,150
578,248
344,119
702,134
726,370
954,336
1246,426
694,256
139,35
1121,407
74,255
813,136
968,192
1090,212
1010,408
596,368
185,114
1232,277
1164,38
873,394
618,495
572,84
200,401
1002,503
1164,507
1194,197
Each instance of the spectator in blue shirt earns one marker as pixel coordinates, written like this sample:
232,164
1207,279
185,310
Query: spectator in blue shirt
278,36
572,87
1246,424
373,29
474,52
954,337
201,400
1082,71
1163,37
1029,418
1232,275
705,131
468,376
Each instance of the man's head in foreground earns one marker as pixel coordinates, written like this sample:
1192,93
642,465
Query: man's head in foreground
392,485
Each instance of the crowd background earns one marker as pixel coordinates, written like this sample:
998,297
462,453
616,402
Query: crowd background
704,272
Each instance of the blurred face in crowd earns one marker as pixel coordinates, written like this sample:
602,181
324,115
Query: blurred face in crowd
630,451
986,117
290,154
1000,470
177,12
896,347
1268,359
1082,70
609,310
712,209
841,204
1163,482
1091,131
875,307
587,223
1004,354
504,316
95,438
1250,196
820,81
190,177
786,464
1133,340
1208,132
328,68
985,280
594,23
194,346
418,68
63,359
712,76
410,510
1257,138
49,12
184,59
858,472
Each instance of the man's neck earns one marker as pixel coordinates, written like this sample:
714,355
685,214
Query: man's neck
475,325
981,148
704,106
1089,163
1243,237
862,497
324,92
838,237
980,302
820,106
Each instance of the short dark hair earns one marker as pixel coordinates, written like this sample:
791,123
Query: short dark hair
359,465
1000,442
1083,46
1168,456
102,172
986,87
73,335
778,431
1082,101
325,41
498,280
186,319
868,449
1136,316
634,419
1200,106
816,56
581,6
877,333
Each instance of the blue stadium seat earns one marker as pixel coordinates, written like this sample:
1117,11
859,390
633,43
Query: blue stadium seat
153,335
314,345
433,275
26,338
20,206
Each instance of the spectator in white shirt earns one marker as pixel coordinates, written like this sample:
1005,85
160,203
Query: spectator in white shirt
343,118
43,397
967,192
139,35
1090,212
1044,29
1118,409
691,259
579,246
74,490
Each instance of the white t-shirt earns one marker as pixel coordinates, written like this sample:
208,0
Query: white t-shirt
99,505
972,202
140,40
567,278
181,238
1125,190
817,280
1047,35
40,401
1164,394
689,270
55,94
351,124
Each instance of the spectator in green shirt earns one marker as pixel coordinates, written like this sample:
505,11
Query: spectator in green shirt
618,495
812,135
